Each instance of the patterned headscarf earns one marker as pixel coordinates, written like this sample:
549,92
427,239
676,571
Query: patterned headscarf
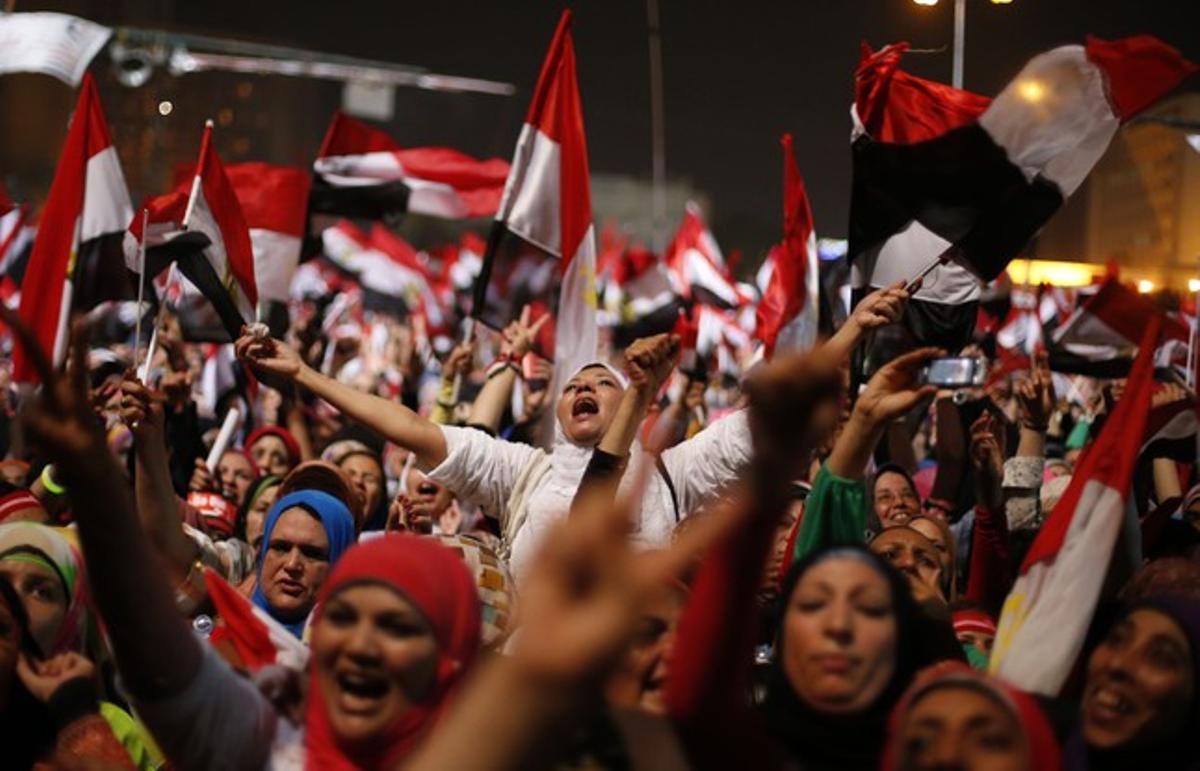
49,548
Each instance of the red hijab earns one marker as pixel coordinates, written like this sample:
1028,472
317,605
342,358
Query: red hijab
437,583
1044,752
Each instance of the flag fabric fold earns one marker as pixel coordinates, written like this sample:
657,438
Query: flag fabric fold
940,172
76,261
698,267
542,251
1049,609
362,172
224,270
786,316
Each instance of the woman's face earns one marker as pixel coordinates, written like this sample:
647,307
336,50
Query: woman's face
366,475
256,517
896,502
960,727
927,528
587,405
376,656
234,475
640,679
839,636
270,455
1140,683
44,598
913,555
295,564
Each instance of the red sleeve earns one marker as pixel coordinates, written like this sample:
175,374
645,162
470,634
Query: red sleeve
989,576
709,675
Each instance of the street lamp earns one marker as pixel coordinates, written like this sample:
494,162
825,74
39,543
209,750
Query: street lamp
960,26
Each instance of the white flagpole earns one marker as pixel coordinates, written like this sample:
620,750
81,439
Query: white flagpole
158,317
137,329
223,438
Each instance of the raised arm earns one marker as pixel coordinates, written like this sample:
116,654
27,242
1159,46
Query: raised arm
391,420
516,340
156,652
878,309
157,505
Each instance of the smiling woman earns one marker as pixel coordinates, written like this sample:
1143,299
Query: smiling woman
1140,702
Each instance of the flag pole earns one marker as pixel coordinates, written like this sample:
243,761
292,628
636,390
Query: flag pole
468,338
152,347
915,282
137,328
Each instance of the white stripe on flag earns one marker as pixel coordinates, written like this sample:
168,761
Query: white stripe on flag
903,256
535,213
276,256
1047,613
201,219
575,338
106,206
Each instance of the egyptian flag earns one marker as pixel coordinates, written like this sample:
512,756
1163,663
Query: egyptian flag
246,636
389,270
361,172
1049,609
940,172
76,260
16,240
698,267
542,248
788,312
639,296
224,270
1099,338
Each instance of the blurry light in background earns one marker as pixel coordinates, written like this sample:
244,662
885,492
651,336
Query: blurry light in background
165,107
1031,90
1145,286
1001,2
926,2
1194,285
1052,272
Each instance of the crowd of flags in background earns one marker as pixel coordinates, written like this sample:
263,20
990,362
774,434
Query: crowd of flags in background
944,180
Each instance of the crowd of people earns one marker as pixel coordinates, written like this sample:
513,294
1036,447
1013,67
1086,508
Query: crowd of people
641,570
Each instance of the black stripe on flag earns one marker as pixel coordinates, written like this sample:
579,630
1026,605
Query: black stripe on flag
100,272
516,273
960,185
371,202
200,272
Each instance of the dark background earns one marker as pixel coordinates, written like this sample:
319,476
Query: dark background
736,74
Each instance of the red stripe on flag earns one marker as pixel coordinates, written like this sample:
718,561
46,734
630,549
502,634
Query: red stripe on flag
1110,460
272,197
897,107
223,202
1139,70
555,111
347,136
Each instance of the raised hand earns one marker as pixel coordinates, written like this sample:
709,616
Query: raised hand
896,387
881,307
43,678
60,419
1035,396
269,355
1169,393
794,404
649,361
987,458
459,361
518,337
141,408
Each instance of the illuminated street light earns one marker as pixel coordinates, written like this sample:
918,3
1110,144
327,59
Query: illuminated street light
960,25
1145,286
1194,285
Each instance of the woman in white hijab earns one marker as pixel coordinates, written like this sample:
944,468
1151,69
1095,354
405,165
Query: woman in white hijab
528,488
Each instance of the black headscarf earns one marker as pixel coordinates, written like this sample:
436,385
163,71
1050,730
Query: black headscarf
1181,751
818,740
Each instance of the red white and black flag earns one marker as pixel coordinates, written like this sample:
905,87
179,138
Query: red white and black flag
362,172
698,267
224,270
16,241
943,172
542,250
76,260
787,315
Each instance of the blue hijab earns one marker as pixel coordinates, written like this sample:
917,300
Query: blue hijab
339,529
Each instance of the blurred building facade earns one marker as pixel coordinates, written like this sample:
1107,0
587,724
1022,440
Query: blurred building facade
1140,208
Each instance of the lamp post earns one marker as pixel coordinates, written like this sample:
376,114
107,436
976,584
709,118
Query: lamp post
960,31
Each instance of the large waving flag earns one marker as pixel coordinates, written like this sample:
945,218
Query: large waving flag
362,172
76,260
224,270
1047,613
943,172
786,316
543,241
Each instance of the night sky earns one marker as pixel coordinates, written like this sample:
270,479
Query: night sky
737,74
